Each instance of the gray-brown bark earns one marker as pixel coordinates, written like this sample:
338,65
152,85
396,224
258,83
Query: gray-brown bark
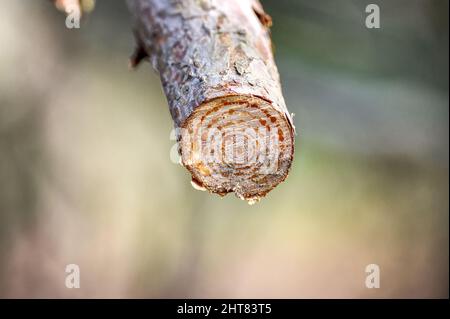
218,73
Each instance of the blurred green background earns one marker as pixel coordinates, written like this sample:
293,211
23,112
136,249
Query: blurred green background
86,176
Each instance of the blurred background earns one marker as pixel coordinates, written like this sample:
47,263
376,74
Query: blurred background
86,176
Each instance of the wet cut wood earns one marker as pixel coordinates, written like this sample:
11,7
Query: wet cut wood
217,69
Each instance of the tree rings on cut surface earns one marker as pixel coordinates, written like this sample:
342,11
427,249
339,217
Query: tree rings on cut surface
217,69
239,144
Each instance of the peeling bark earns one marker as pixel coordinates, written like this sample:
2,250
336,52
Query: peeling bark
217,69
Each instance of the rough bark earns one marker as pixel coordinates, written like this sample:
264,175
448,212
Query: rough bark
217,69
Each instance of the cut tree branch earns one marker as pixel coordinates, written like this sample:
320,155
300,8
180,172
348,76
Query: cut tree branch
217,69
216,65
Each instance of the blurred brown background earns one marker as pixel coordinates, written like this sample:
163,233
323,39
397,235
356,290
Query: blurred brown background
86,176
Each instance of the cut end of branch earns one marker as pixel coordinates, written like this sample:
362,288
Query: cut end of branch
239,144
